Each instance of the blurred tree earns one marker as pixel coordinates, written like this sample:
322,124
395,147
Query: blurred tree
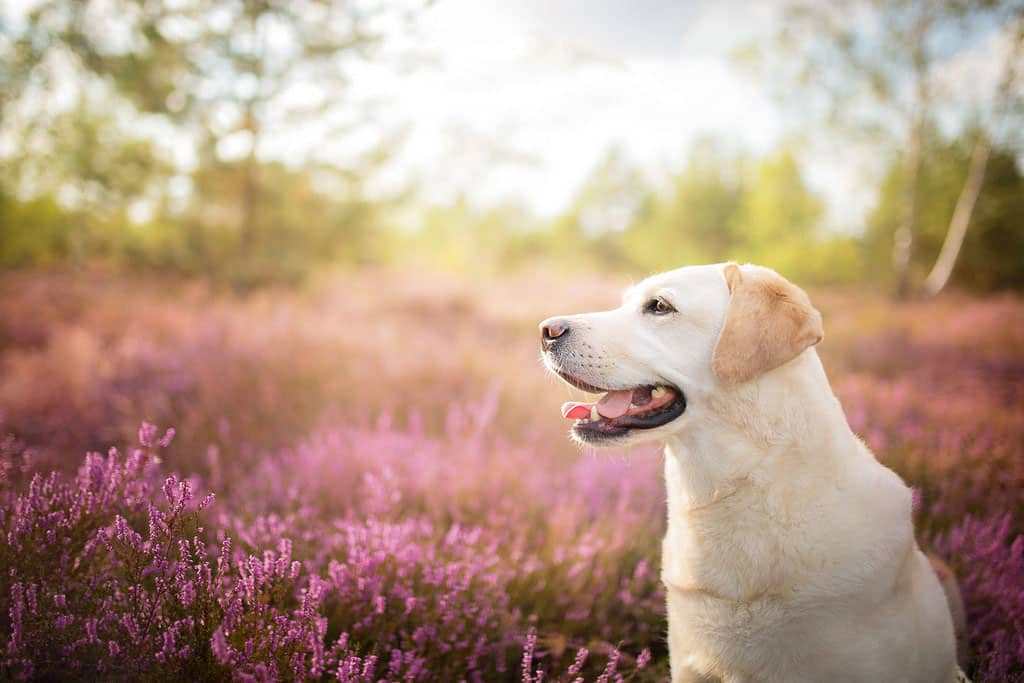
968,197
723,205
779,224
71,151
246,67
213,78
778,209
33,232
18,57
475,241
695,220
610,200
869,68
83,165
610,196
307,218
990,256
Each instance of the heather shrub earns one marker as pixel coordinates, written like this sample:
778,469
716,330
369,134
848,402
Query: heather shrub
102,580
271,627
116,576
988,556
564,548
108,582
396,499
573,542
438,602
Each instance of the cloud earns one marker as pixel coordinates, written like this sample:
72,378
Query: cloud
520,100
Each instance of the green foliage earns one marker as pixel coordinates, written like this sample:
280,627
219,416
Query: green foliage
778,207
696,219
299,227
720,206
593,231
145,77
298,224
871,72
35,232
990,258
96,176
462,238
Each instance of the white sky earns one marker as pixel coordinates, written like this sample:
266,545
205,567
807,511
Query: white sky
523,98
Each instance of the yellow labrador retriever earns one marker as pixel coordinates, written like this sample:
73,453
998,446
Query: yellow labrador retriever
790,551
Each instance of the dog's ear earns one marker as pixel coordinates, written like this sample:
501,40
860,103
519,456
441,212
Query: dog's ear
769,321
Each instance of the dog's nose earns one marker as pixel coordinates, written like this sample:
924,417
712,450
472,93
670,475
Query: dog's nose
551,330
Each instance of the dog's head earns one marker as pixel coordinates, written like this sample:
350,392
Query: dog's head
678,339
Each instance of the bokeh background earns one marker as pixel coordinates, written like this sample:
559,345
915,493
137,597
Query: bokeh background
315,238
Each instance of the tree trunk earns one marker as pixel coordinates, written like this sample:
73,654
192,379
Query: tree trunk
903,239
250,184
965,204
250,195
252,188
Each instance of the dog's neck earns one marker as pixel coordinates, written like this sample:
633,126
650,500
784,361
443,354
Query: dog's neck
740,465
790,413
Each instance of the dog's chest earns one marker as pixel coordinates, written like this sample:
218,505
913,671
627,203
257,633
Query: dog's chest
753,584
738,559
739,577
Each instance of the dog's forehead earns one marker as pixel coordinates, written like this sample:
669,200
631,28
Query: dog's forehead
685,281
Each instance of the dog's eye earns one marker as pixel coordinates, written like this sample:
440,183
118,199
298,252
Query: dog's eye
658,307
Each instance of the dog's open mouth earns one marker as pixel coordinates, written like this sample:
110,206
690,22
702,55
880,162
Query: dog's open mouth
621,410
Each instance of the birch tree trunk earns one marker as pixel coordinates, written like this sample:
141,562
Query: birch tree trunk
965,203
903,239
968,199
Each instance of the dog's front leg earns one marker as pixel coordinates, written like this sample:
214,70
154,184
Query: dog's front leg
681,667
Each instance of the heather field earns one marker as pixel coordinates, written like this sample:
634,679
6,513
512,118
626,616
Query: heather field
370,480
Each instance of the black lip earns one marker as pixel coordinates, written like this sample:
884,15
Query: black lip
592,435
662,417
595,432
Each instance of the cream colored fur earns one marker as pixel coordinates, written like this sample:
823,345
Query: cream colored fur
790,552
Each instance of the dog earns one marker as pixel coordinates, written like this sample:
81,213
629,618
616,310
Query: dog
789,553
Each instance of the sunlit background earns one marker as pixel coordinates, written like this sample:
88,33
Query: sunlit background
315,237
257,141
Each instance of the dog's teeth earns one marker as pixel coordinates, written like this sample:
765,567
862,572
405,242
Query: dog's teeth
658,392
594,415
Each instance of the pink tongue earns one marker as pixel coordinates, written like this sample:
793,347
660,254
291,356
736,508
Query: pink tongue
575,411
615,403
